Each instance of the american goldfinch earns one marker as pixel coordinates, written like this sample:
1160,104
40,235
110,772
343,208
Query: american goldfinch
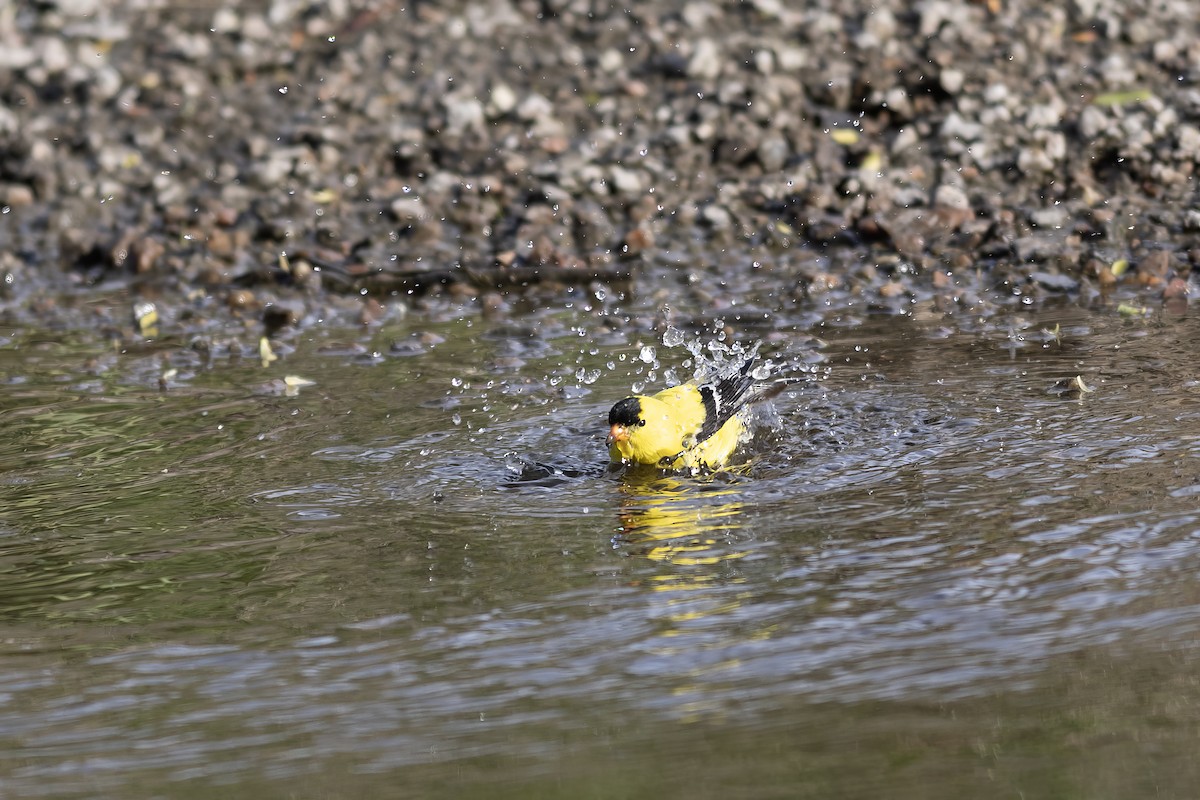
696,425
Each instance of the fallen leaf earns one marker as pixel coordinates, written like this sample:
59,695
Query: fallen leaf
265,352
1122,98
844,136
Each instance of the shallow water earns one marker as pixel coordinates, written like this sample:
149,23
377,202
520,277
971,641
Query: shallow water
939,576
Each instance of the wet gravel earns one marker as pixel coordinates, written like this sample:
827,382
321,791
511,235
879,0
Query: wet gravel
356,156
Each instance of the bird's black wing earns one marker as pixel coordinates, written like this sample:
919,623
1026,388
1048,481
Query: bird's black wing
724,394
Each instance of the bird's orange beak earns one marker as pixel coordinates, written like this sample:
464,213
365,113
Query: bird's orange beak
617,433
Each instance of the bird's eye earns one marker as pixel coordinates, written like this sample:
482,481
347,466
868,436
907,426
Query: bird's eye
641,423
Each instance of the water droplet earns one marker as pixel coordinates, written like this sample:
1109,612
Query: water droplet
673,337
456,419
647,354
587,376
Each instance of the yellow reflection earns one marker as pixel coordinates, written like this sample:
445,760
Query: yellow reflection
685,525
690,530
681,524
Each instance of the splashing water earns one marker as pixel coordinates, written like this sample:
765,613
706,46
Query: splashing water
707,356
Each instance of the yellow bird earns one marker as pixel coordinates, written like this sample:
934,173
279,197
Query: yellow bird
696,425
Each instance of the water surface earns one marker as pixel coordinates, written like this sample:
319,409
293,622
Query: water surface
940,575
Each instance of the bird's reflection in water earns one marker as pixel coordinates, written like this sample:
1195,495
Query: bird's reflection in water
694,535
680,523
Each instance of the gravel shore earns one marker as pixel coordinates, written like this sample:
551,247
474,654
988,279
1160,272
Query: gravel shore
230,156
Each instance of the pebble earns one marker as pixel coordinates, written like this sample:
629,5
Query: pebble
951,80
716,216
626,181
705,63
241,300
145,253
463,114
16,196
1055,281
502,100
773,152
218,140
951,196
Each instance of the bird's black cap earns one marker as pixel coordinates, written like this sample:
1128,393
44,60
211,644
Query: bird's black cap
627,412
